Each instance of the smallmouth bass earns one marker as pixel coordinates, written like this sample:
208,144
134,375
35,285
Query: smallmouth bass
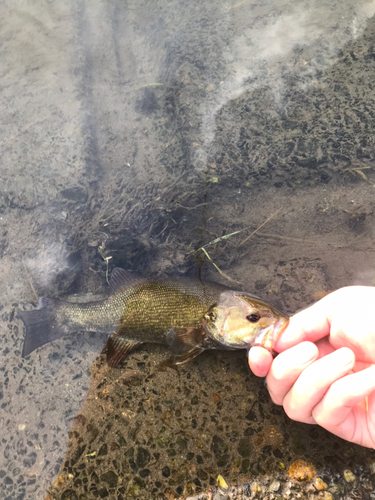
188,315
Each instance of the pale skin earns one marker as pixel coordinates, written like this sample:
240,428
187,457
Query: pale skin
325,372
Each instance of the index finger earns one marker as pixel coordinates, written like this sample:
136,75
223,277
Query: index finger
311,324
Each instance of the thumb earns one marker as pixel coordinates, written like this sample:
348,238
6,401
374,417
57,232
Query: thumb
310,325
260,361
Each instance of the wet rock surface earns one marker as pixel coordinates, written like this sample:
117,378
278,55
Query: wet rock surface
160,445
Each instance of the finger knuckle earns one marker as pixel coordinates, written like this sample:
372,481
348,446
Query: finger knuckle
292,411
276,399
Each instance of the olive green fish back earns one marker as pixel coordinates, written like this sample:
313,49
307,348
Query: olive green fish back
160,305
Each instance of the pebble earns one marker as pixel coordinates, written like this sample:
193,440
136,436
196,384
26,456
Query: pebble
319,484
337,489
255,488
274,486
349,476
221,482
300,470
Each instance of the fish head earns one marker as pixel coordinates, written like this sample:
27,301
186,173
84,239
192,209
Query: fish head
239,320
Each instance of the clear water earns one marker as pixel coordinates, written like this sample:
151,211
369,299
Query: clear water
141,131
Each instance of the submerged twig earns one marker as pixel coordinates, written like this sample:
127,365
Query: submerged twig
226,236
155,84
29,279
152,85
297,240
358,170
191,208
265,222
217,268
171,186
104,255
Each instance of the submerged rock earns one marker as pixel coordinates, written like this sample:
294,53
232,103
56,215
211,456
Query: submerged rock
300,470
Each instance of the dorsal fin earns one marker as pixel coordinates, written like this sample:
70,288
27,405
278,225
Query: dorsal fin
120,278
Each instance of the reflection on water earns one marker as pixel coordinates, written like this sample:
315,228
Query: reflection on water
133,133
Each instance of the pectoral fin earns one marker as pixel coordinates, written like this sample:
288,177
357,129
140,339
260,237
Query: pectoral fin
187,355
118,348
183,339
185,343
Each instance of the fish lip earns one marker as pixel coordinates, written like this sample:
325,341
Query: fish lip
279,327
268,338
209,337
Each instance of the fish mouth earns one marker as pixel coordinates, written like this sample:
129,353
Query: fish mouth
268,337
209,340
279,328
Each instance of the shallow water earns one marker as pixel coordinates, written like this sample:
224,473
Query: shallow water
140,131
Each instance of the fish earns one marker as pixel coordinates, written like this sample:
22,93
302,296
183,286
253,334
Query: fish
188,315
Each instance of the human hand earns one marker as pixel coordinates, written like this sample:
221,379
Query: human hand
325,373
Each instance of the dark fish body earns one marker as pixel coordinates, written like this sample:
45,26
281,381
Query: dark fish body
176,312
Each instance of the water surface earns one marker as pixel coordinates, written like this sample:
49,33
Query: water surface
141,131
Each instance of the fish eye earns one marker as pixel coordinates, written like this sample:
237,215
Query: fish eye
253,317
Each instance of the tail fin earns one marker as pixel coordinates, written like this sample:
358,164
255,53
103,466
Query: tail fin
40,324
